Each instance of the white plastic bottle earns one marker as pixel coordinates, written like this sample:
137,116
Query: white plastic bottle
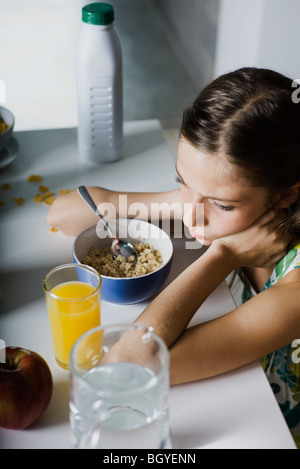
99,86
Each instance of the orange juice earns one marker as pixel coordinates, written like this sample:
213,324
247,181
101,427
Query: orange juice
73,308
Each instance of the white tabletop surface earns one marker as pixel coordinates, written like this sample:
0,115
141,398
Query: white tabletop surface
234,410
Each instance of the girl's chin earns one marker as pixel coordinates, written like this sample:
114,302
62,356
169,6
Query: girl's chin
205,242
200,238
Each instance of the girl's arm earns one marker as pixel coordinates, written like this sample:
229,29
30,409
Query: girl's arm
171,311
264,324
259,245
71,215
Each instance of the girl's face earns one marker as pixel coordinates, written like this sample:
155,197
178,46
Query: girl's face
217,202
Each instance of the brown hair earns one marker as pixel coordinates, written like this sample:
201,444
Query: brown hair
249,117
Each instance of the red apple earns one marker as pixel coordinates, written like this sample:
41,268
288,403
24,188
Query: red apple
25,388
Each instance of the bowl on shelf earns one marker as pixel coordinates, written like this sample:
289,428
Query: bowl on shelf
128,290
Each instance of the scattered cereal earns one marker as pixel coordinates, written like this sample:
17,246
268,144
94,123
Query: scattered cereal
34,178
38,199
63,191
149,259
19,200
43,189
49,200
53,229
47,194
2,203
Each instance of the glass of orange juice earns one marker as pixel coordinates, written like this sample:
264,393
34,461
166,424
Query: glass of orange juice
73,296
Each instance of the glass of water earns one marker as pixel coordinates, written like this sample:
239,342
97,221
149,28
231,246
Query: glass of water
119,379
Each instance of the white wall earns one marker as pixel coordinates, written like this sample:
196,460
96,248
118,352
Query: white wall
194,27
38,41
262,33
37,60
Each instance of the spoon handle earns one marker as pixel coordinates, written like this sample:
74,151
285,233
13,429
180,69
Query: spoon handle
82,190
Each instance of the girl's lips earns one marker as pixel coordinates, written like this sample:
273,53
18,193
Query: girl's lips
195,235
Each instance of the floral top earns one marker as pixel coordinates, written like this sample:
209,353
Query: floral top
282,367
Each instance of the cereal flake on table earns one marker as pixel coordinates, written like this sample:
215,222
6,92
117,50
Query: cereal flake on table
39,198
49,200
6,187
19,200
34,178
63,191
47,194
43,189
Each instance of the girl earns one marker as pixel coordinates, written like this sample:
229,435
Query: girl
239,155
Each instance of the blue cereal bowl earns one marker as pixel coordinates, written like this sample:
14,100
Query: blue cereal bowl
124,291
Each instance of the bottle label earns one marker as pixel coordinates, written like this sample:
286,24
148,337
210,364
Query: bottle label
101,116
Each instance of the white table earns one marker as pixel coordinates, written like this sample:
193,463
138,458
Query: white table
234,410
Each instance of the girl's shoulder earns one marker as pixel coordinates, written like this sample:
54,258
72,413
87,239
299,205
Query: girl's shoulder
288,263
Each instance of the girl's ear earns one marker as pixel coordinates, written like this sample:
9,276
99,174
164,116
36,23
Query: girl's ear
289,197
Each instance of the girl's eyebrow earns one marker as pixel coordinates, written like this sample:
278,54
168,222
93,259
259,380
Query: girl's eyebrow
206,196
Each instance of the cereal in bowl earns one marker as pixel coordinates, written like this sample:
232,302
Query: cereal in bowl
149,259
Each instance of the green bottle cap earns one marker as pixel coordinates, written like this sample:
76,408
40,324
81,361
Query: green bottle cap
98,13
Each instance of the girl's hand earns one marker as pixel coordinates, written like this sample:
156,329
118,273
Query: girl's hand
262,244
135,346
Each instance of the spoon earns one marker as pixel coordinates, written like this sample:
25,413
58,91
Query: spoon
118,246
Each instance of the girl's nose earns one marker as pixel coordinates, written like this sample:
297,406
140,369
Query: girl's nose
194,212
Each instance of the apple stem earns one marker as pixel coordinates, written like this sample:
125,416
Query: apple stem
10,364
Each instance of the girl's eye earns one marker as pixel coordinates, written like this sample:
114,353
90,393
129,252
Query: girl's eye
221,207
181,181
